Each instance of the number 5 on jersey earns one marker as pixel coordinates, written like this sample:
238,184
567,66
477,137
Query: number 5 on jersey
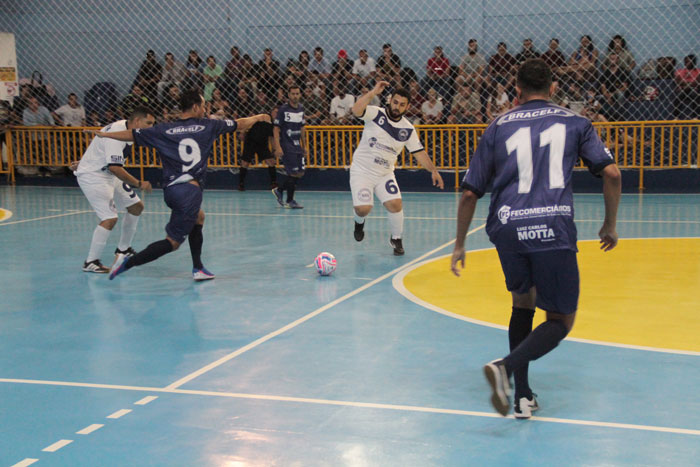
189,152
521,143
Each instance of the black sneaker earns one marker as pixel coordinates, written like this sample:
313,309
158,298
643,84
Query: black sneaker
95,266
497,378
524,406
359,231
241,187
128,252
398,246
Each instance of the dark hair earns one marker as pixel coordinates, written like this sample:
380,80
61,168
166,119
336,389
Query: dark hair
318,49
554,39
73,94
293,86
402,92
502,44
386,46
590,47
611,44
212,57
471,41
189,99
140,112
534,77
169,53
692,59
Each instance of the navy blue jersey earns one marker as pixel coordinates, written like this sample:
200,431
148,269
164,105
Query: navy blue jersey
529,153
290,121
184,146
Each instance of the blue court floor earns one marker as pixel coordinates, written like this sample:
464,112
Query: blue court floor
272,365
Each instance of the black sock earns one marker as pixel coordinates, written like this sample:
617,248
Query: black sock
241,175
283,185
272,172
542,340
519,328
196,239
151,253
291,184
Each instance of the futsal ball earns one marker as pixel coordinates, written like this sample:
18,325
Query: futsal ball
325,263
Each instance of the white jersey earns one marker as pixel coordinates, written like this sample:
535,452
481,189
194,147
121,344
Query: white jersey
382,141
103,152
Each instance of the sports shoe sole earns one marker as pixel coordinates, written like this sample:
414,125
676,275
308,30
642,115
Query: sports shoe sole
274,193
499,397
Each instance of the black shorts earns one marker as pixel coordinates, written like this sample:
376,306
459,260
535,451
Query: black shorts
251,148
553,273
185,201
293,163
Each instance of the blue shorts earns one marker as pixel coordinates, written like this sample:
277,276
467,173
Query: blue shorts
185,201
293,163
553,273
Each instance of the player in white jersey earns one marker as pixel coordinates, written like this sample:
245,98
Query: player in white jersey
107,186
385,135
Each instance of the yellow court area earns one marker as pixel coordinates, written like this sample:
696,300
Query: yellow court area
5,214
642,293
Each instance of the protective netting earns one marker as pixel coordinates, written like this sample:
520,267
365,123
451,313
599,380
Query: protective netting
98,49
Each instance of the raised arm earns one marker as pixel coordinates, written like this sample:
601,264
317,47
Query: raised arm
244,124
125,135
358,109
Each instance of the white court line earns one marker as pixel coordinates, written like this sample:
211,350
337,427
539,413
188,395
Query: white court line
89,429
42,218
57,445
307,317
119,413
146,400
368,405
25,462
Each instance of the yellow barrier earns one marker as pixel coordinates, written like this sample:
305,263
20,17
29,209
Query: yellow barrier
634,145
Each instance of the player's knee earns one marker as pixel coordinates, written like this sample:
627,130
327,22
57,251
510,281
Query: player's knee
173,243
108,223
200,217
394,205
362,211
135,209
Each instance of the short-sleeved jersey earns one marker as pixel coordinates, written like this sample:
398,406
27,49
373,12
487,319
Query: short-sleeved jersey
290,121
103,152
382,141
184,146
529,153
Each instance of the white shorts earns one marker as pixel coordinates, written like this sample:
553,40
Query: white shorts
107,197
363,185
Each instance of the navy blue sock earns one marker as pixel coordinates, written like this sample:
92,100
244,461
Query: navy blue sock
291,185
542,340
151,253
196,239
242,172
519,328
272,172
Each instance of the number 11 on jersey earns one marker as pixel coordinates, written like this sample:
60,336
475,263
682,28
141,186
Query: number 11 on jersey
521,143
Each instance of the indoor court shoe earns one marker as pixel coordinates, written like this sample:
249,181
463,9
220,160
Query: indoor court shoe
201,274
119,266
398,246
128,252
95,266
278,196
241,187
524,406
359,232
294,205
497,378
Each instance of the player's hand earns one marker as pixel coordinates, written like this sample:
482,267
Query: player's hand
437,180
74,166
457,258
97,133
146,186
380,87
608,238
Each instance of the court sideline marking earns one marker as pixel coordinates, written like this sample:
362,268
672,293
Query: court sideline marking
73,213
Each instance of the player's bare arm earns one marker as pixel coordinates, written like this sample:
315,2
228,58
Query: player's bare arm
424,160
465,214
125,135
243,124
277,148
612,189
358,109
126,177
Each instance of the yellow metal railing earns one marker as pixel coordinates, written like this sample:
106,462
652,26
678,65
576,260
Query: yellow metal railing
634,145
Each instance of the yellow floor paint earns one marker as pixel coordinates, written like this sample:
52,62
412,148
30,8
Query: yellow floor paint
644,292
5,214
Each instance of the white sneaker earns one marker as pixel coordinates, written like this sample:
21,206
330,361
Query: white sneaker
95,266
495,372
524,407
202,275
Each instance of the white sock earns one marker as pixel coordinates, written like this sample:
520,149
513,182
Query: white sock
99,240
129,223
396,224
359,220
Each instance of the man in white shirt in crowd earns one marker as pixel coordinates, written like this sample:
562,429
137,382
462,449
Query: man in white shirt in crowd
364,68
72,113
341,105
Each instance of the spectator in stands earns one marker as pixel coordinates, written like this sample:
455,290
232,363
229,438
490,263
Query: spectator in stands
49,99
501,65
232,72
36,115
625,59
320,65
299,67
218,108
174,72
583,63
498,102
212,73
466,106
171,104
149,75
342,69
314,108
375,99
473,65
244,105
132,100
553,56
71,114
261,104
415,102
194,71
269,75
527,52
431,109
364,69
5,121
438,65
688,89
614,85
341,105
388,59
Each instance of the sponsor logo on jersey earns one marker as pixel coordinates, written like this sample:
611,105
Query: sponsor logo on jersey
525,115
505,213
374,143
383,162
182,130
536,232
